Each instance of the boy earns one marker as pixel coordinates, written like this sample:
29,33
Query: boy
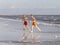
34,23
25,25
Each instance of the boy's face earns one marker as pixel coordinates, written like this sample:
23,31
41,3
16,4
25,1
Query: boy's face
24,15
32,16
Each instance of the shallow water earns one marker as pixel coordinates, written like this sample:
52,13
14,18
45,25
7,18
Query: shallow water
38,43
12,31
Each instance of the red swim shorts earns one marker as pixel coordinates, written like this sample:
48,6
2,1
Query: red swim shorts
25,23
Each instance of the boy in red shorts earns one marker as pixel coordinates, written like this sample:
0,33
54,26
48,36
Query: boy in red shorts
25,25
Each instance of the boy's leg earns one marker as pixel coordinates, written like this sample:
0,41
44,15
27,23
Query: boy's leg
38,28
24,28
24,36
29,29
32,32
32,29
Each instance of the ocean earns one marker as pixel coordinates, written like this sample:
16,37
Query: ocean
11,31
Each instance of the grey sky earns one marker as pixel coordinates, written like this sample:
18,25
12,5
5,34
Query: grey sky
29,6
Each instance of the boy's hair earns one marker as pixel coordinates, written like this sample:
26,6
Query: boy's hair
24,15
31,14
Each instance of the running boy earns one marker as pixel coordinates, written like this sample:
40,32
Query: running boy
25,25
34,23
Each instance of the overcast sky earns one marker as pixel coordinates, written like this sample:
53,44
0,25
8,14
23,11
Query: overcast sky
29,6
